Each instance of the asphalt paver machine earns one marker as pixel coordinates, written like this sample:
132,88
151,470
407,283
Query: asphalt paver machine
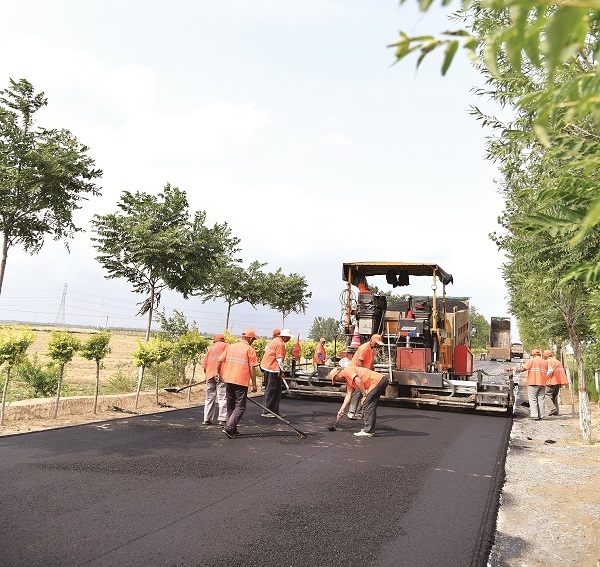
426,339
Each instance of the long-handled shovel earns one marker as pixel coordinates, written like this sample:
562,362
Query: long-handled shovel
332,427
174,389
264,408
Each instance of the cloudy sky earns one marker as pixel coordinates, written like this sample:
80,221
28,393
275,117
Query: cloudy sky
285,118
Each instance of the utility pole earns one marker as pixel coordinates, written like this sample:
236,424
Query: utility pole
60,317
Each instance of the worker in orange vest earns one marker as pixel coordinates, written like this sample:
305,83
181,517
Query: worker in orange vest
364,357
272,369
215,387
370,386
537,369
237,367
557,377
320,354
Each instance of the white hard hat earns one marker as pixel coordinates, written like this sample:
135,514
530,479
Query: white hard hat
286,333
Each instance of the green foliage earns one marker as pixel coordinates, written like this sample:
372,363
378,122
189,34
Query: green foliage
174,327
328,328
44,174
546,33
121,382
542,60
41,378
237,285
287,293
481,328
307,349
96,347
153,352
259,346
62,346
153,243
191,346
14,342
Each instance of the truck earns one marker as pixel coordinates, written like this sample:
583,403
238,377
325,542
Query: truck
499,344
426,352
516,350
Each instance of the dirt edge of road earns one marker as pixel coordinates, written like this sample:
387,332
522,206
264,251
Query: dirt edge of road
549,512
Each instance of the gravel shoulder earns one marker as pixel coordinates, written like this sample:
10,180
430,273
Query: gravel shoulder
550,504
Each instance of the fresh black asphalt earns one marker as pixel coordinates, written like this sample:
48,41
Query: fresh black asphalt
165,490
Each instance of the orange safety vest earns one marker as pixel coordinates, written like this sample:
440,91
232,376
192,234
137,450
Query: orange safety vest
274,350
556,373
369,378
537,368
211,359
364,356
320,350
238,361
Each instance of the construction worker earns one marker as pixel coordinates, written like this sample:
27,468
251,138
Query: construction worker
320,354
556,378
369,384
237,367
537,369
215,387
364,357
272,369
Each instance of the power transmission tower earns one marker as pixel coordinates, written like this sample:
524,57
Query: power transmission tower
60,317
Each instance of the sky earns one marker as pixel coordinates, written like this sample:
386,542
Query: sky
287,119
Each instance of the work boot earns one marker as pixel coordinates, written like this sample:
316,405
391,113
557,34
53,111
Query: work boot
362,433
229,434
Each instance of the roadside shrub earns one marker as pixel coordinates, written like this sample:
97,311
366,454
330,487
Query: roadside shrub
41,378
122,380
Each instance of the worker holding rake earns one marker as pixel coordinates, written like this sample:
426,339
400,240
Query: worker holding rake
237,365
371,386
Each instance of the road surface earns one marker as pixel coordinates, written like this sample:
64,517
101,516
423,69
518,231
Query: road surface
165,490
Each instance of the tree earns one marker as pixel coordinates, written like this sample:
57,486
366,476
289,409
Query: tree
328,328
62,347
541,60
552,45
189,348
44,175
286,294
480,329
154,244
96,348
237,285
13,346
151,353
175,326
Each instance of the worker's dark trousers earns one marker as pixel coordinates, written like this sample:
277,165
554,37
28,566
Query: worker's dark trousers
272,390
552,392
370,405
237,398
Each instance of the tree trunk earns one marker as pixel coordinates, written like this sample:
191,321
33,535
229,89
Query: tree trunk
227,318
585,419
156,382
150,313
4,392
191,381
139,385
60,379
3,261
97,385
